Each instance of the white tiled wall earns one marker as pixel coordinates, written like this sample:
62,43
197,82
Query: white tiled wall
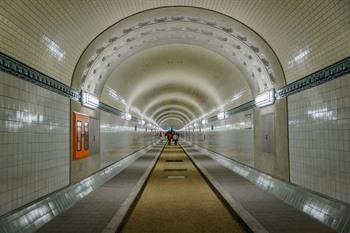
319,138
119,138
233,137
34,142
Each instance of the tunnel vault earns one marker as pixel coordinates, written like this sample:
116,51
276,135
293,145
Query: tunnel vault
184,56
199,68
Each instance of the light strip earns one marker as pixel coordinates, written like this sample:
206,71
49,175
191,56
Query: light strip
89,100
127,116
266,98
221,115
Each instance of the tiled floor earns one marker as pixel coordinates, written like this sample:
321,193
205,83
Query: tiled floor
273,214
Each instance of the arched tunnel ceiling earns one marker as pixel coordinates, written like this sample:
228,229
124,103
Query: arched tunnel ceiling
171,122
177,74
178,25
178,55
51,35
139,46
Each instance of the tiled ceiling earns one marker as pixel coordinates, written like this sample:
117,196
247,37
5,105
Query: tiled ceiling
51,35
178,25
74,38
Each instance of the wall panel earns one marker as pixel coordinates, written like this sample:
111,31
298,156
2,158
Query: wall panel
34,142
233,137
119,138
319,133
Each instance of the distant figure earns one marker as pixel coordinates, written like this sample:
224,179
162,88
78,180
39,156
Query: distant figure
176,138
170,137
161,136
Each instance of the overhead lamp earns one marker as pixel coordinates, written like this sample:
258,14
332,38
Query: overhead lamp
204,122
127,116
142,122
266,98
221,115
89,100
195,125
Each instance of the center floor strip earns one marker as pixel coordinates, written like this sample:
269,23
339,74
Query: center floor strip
178,199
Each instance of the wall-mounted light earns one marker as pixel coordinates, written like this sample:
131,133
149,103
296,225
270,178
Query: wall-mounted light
89,100
266,98
127,116
221,115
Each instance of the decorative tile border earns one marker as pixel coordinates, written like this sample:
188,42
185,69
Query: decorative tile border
327,74
241,108
27,73
322,76
110,109
20,70
14,67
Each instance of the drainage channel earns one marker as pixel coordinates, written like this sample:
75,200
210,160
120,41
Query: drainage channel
177,198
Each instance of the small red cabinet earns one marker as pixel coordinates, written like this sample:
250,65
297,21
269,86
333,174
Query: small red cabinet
80,135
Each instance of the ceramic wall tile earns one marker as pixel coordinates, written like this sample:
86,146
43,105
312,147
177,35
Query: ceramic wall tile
319,133
34,142
232,137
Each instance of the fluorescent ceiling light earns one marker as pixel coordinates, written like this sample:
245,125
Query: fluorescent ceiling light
127,116
89,100
299,58
54,48
266,98
221,115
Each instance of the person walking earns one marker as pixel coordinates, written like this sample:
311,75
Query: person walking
161,136
169,137
176,138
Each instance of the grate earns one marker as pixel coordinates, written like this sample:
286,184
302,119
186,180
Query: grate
175,170
173,160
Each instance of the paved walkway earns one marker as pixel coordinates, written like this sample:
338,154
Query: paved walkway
178,199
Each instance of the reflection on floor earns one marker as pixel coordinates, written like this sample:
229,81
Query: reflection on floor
177,199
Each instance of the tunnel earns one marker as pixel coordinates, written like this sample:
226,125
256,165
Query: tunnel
174,116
